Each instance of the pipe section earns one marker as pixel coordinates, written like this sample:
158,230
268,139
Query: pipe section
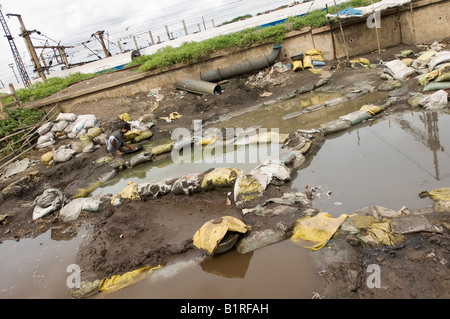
198,86
242,68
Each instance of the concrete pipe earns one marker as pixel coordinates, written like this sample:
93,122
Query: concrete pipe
198,86
242,68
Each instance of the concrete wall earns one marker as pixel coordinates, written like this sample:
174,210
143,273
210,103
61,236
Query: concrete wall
421,22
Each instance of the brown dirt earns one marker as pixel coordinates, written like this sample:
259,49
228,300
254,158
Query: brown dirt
155,229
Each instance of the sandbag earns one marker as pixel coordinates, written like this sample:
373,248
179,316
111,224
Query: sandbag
319,229
46,144
399,70
246,188
371,109
102,139
438,58
141,158
433,86
356,117
121,281
297,65
72,210
155,188
125,117
426,57
213,231
423,79
435,101
85,140
63,154
94,132
145,135
211,139
68,117
269,172
45,128
188,184
334,126
440,194
51,200
363,61
46,138
47,158
307,62
220,177
161,149
313,52
129,192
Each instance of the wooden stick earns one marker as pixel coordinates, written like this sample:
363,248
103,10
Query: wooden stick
376,27
342,30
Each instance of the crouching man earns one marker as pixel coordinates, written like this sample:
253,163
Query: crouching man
116,140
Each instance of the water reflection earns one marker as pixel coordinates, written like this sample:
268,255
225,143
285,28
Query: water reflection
386,162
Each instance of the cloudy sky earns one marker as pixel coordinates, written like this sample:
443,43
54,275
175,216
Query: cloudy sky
73,23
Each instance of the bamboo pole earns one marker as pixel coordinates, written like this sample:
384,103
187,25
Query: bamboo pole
376,27
342,30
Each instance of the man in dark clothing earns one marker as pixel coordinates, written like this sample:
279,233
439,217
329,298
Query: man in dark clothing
116,140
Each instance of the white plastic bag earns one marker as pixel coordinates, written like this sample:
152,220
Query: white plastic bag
51,200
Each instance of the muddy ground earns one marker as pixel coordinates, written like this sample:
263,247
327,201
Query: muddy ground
147,232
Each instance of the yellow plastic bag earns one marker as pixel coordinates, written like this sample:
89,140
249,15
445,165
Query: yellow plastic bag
440,194
307,62
317,57
220,177
125,117
319,229
208,140
132,134
377,232
161,149
94,132
313,52
172,116
212,232
363,61
297,65
129,192
371,109
46,158
121,281
145,135
247,188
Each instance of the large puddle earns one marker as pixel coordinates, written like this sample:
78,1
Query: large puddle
385,162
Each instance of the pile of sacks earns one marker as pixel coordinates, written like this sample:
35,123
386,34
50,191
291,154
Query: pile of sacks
85,128
308,60
432,67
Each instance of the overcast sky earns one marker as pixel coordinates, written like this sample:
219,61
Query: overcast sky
73,23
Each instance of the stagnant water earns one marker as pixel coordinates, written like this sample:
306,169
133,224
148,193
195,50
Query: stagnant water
385,162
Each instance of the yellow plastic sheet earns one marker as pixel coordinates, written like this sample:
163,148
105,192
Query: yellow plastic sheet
220,177
120,281
377,232
371,109
129,192
125,117
145,135
248,188
172,116
440,194
212,232
319,229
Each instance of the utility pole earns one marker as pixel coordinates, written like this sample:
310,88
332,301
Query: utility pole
20,66
102,42
26,36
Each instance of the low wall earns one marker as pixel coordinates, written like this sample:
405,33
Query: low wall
416,23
